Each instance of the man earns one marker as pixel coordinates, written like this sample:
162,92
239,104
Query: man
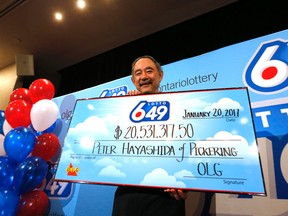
141,201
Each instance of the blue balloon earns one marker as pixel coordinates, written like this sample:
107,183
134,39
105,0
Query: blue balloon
19,143
7,169
48,130
58,127
2,119
37,133
29,174
9,201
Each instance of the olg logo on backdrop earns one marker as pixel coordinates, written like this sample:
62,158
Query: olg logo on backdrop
150,111
267,72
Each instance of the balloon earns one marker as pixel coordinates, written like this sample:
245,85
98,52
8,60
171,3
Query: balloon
2,119
20,94
9,200
2,150
41,89
47,146
19,143
6,127
29,174
58,127
34,203
17,113
51,128
7,170
48,130
43,114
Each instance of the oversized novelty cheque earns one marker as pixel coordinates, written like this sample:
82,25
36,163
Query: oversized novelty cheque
195,140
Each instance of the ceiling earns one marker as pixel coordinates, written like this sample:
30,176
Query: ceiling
28,27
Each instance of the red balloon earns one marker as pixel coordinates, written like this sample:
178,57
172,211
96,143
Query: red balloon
20,94
17,113
41,89
47,146
34,203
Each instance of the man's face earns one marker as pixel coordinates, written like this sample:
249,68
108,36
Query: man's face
146,77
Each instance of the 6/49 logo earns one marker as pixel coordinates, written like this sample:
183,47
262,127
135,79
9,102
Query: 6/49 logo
150,111
118,91
267,72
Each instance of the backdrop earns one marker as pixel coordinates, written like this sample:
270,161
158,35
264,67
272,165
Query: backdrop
261,65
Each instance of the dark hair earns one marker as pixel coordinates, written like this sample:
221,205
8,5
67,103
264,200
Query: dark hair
158,66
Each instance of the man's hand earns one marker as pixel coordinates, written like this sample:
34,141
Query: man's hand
133,92
177,194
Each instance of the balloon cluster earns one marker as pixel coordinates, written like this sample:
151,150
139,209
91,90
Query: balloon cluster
27,145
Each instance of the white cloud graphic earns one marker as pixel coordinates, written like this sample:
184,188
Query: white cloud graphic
227,103
86,142
182,174
90,107
91,125
111,171
244,120
225,135
250,152
160,177
106,162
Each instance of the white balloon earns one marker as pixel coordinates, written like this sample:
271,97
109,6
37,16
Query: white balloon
43,114
6,127
2,149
